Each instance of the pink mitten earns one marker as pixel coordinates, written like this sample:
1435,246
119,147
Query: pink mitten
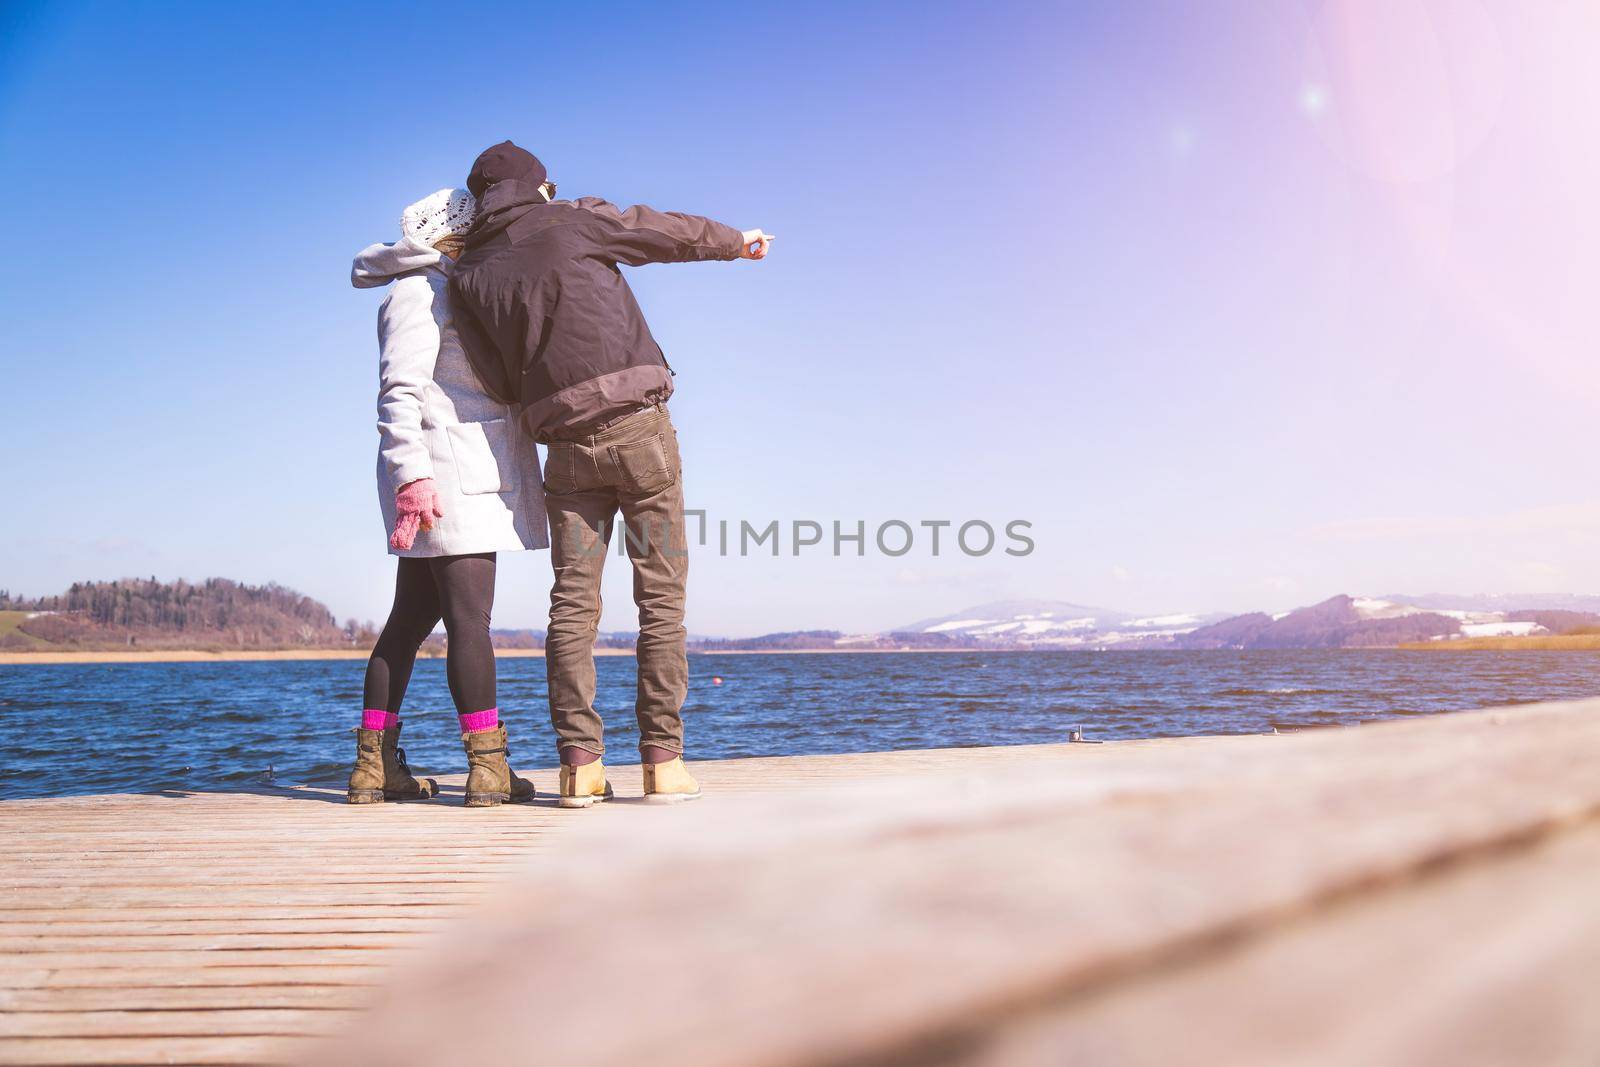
416,505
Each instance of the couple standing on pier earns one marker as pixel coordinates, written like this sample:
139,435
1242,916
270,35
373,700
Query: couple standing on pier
508,323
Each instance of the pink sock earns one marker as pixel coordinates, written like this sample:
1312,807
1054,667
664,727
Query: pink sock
477,721
378,719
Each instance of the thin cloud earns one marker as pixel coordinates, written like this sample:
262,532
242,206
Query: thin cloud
1554,519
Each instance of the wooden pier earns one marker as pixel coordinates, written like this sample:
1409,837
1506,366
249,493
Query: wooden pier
1415,892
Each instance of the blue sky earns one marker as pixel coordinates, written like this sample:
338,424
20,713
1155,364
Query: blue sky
1240,305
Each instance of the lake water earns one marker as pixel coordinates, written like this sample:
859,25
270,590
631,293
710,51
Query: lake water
102,728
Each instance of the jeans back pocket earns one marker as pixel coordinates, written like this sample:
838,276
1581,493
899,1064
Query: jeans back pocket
560,467
643,464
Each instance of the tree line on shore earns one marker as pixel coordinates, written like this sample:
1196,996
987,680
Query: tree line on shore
217,613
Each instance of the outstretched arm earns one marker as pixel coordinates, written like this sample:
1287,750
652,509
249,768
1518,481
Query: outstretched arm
640,235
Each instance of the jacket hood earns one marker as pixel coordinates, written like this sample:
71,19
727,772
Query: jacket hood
503,204
381,264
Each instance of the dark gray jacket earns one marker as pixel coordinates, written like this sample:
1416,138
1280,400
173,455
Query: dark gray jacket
548,320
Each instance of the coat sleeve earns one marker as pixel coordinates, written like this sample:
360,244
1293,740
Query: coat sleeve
640,234
408,348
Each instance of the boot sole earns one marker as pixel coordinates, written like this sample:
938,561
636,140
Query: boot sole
487,800
587,801
427,790
671,798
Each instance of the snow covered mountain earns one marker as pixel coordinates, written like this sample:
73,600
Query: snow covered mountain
1338,622
1054,623
1474,621
1382,622
1502,603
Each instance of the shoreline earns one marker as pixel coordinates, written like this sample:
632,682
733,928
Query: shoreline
182,655
1534,643
195,655
67,657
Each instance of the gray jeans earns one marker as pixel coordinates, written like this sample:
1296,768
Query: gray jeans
631,466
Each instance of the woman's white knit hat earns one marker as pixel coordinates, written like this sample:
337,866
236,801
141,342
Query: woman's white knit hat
447,212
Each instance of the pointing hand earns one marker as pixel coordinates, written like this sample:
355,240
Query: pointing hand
755,244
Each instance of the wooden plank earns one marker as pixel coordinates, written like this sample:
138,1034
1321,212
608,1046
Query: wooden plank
191,959
333,881
212,852
71,1001
112,946
108,1051
238,926
501,825
1495,963
402,893
320,974
214,911
212,1022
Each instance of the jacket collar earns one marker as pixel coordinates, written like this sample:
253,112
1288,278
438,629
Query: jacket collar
504,203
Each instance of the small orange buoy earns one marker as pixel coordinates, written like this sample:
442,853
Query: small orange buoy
716,679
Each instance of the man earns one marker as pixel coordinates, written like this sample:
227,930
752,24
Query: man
549,323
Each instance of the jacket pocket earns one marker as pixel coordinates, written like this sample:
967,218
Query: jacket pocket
476,448
644,465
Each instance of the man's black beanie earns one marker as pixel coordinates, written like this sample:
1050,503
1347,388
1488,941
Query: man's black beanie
504,162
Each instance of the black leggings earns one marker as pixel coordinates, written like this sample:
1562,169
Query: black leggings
459,589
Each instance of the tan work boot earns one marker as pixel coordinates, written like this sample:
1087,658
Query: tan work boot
380,772
583,786
489,779
669,783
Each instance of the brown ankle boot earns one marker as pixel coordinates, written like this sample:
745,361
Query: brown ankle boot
490,781
381,774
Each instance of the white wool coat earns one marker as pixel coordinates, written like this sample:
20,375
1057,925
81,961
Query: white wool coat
435,421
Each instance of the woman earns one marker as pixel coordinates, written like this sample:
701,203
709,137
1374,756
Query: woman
458,482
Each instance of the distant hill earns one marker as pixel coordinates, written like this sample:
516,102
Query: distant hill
793,640
1335,623
144,613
